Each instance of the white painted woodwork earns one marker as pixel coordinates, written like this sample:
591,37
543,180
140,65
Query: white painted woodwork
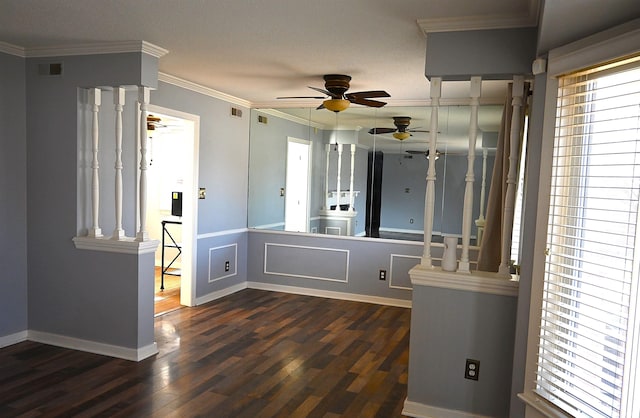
338,180
430,195
480,222
353,159
327,149
143,99
118,101
512,175
467,210
94,102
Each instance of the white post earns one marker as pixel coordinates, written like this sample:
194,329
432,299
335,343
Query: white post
481,221
353,159
430,196
338,176
327,149
467,211
512,177
143,99
95,101
118,101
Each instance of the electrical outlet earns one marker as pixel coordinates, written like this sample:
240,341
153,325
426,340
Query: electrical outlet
226,266
383,275
472,369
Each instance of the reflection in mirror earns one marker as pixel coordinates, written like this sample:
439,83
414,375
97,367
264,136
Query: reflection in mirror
348,173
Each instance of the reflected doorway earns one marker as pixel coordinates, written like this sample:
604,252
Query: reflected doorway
296,210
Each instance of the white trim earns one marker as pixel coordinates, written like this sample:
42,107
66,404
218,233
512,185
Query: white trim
189,85
269,226
11,49
477,281
126,353
420,410
391,257
329,294
328,228
467,23
97,48
235,263
127,245
541,406
15,338
404,231
282,115
346,237
210,297
601,47
223,233
346,267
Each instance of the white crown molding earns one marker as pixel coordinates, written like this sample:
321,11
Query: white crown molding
11,49
97,48
282,115
64,341
189,85
477,281
126,245
467,23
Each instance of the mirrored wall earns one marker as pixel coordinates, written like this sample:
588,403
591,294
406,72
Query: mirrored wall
316,171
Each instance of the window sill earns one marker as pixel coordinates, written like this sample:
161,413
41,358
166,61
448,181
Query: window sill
125,245
537,407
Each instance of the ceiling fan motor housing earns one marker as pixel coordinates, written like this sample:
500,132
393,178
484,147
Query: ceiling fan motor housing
401,122
337,84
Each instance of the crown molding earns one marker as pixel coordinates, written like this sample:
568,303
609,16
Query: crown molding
467,23
295,119
189,85
11,49
97,48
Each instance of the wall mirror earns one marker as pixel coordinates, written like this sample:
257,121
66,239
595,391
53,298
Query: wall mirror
316,171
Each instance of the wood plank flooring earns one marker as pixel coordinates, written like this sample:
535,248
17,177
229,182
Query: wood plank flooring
166,300
251,354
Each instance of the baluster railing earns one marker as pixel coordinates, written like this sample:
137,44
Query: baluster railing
430,195
327,149
338,180
94,102
143,99
353,159
467,211
512,178
118,101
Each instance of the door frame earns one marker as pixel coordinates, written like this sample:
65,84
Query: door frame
308,143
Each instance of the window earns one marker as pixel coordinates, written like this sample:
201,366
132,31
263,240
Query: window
588,348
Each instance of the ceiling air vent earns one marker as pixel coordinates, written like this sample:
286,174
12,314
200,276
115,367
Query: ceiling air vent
50,69
236,112
262,119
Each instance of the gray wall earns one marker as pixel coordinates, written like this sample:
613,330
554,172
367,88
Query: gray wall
77,293
13,204
454,325
223,166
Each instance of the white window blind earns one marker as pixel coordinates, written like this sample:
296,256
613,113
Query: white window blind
588,354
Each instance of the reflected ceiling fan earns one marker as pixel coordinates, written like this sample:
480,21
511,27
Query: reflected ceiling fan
400,132
337,99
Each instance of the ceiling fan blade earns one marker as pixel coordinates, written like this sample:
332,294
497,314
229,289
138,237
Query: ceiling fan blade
301,97
381,131
323,91
320,107
365,102
369,94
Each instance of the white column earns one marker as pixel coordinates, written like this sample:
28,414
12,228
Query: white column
430,195
327,149
481,221
353,159
95,101
143,99
118,101
512,175
338,176
467,211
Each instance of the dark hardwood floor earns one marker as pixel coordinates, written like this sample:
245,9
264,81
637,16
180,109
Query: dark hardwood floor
251,354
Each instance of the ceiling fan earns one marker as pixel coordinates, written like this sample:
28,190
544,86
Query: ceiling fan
400,132
337,99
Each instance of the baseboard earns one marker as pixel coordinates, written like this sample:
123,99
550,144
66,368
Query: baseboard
419,410
11,339
378,300
210,297
125,353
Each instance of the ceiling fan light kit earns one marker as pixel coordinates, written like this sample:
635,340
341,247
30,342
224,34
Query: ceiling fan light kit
401,135
336,105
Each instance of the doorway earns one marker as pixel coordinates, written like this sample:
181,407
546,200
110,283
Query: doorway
173,170
296,211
